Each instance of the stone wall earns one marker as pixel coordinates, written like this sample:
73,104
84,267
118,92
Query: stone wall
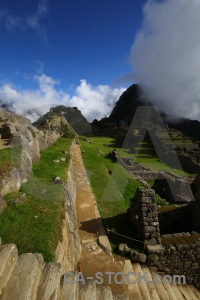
143,213
69,249
31,141
177,259
146,175
14,118
175,253
136,169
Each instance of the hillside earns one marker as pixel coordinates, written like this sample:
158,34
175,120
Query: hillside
72,188
73,116
125,108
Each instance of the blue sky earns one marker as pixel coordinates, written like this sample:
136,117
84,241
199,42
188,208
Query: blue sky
86,53
67,40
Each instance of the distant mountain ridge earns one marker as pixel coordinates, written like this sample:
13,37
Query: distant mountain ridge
125,108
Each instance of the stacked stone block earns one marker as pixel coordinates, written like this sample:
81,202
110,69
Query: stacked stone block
177,258
144,215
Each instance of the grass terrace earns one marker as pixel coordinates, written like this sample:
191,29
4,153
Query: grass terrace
147,158
112,192
33,217
9,157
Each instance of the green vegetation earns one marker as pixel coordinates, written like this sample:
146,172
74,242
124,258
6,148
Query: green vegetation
109,189
120,184
160,201
67,131
9,157
33,217
147,158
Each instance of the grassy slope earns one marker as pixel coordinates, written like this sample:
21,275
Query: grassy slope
9,157
149,160
112,210
34,225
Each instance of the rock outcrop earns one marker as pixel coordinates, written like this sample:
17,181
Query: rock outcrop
72,115
27,141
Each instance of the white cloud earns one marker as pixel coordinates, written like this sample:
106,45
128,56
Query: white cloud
93,101
34,20
165,55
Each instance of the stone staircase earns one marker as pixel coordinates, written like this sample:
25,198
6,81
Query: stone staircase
28,277
151,290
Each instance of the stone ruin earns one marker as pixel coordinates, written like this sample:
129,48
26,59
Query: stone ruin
173,188
175,253
16,132
144,216
165,181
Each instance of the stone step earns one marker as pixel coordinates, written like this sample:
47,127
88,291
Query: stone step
70,290
177,293
141,285
104,293
49,284
195,291
169,291
187,292
87,291
122,297
150,285
23,282
8,258
133,288
159,287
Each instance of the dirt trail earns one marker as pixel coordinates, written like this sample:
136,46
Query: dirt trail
93,258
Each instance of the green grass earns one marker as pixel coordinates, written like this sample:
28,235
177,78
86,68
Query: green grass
148,159
9,157
108,189
34,224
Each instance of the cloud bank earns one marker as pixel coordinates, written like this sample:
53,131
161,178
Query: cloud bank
165,55
93,101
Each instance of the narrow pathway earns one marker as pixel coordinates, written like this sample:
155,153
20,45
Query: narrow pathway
93,258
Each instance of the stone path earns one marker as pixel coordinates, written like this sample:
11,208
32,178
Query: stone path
93,258
28,277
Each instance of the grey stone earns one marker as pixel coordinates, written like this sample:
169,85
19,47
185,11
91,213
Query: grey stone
152,258
157,249
123,248
138,257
